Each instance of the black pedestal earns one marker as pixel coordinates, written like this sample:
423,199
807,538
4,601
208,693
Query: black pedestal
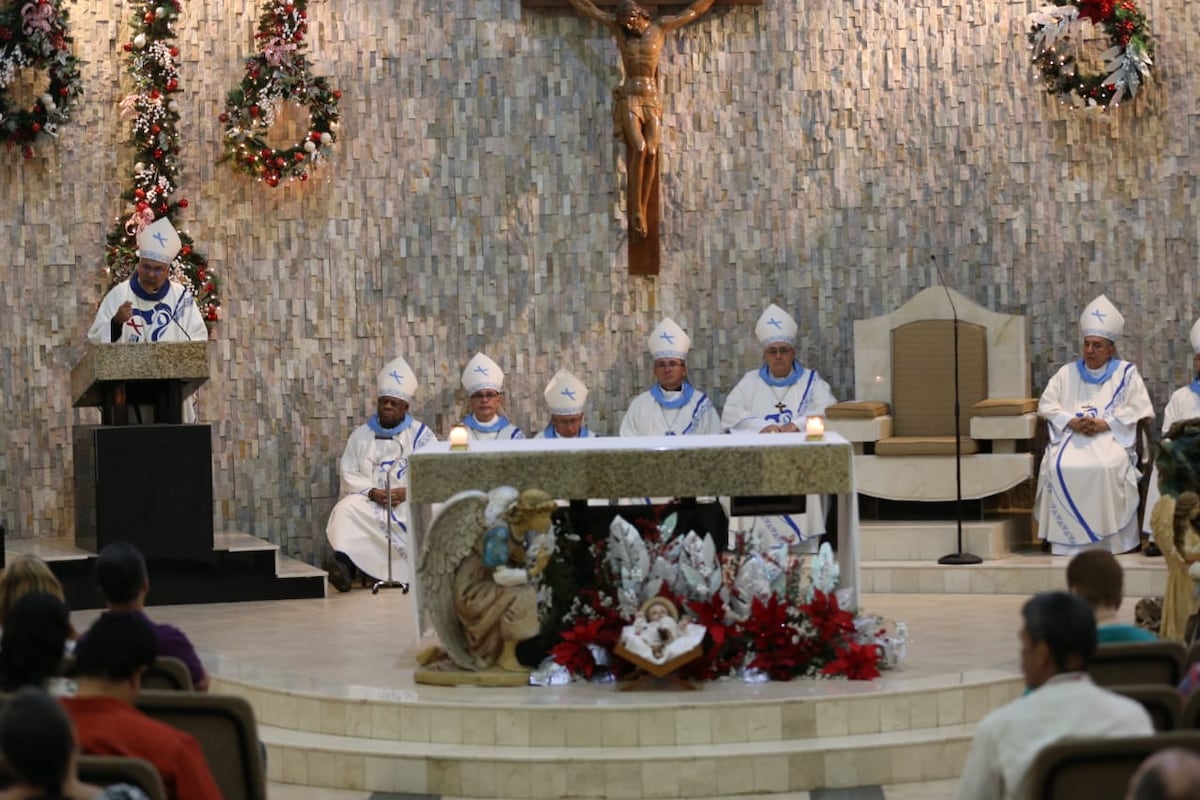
146,484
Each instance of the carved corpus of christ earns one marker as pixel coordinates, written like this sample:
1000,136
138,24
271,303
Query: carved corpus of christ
637,108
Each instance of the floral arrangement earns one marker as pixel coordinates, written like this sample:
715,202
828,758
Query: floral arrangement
34,34
762,620
280,72
155,140
1127,61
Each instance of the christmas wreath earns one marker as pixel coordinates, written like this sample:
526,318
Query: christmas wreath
279,73
34,34
1127,61
155,141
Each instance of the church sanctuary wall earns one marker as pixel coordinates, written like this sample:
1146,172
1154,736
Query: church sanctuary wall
816,153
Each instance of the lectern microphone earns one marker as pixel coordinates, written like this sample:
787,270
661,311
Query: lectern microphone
960,557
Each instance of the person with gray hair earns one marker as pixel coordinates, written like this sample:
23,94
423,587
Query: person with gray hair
1171,774
1058,639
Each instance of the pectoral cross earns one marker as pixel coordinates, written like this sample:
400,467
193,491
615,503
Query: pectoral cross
782,408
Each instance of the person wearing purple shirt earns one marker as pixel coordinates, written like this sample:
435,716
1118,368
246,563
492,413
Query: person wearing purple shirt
124,581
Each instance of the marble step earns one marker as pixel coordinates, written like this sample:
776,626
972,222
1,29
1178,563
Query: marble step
1018,573
992,538
795,711
624,770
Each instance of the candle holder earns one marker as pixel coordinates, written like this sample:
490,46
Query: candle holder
814,429
459,438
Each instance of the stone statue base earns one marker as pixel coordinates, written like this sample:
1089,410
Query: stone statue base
438,669
462,677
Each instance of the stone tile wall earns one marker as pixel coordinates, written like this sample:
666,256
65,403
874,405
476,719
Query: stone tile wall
816,153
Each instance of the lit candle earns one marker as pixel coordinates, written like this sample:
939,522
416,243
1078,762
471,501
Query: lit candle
815,428
459,437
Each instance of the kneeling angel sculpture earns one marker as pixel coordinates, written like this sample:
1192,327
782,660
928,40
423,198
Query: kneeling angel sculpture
478,571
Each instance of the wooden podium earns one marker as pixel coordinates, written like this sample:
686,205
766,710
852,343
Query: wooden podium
146,484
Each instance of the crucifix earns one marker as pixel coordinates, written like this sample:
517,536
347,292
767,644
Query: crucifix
637,108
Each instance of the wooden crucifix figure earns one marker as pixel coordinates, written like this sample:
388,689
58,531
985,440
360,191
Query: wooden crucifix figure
637,107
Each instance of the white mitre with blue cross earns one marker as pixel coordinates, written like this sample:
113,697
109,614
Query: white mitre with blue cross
668,340
158,241
397,379
482,373
565,394
775,326
1194,337
1102,319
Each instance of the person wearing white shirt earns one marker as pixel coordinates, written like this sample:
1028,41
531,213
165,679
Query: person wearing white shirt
1058,639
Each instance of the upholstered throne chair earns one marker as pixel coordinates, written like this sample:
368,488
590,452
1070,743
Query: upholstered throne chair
901,421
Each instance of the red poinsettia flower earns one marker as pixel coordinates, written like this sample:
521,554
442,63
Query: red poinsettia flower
830,621
858,662
573,651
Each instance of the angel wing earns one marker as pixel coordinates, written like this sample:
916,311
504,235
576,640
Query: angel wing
452,535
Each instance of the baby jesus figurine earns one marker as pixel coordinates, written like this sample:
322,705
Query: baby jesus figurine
658,634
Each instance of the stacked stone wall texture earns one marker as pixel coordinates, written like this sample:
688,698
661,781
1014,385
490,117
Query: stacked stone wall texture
816,154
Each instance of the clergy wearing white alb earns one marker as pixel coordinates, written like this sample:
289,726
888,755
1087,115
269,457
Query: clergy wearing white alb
150,307
374,473
1184,404
483,381
777,398
565,396
672,406
1087,493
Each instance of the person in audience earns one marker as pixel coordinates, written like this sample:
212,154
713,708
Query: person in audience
376,458
483,381
1097,577
109,663
1087,492
565,396
1184,404
22,575
1058,638
1170,774
124,582
672,406
33,643
38,744
777,398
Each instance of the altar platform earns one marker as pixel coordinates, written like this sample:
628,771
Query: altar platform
331,681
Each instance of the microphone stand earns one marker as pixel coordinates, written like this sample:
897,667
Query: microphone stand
960,557
389,583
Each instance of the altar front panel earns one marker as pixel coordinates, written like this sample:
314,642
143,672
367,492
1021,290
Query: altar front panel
676,466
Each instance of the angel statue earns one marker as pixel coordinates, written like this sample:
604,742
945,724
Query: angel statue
477,576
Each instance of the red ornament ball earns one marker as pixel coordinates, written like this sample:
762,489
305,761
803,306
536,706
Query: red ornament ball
128,47
224,118
139,193
172,85
158,154
186,250
183,203
254,111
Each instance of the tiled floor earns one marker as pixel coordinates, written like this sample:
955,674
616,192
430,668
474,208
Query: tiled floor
363,645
